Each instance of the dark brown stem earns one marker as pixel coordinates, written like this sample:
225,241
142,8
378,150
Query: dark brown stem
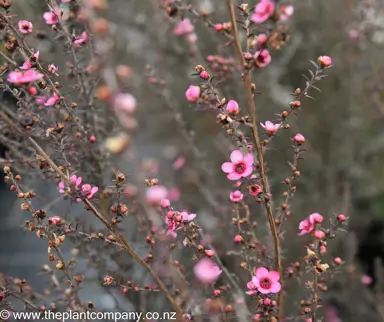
260,156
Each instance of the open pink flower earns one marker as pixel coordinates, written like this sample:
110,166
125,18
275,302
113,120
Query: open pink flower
26,77
252,288
187,217
125,102
25,27
270,128
52,68
193,93
88,191
266,281
76,181
156,194
81,40
27,64
308,225
184,27
207,271
262,58
236,196
52,100
241,166
263,10
52,17
286,12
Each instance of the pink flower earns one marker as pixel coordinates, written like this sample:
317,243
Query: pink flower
254,189
262,58
76,181
232,107
316,218
165,203
88,190
155,194
193,93
126,103
204,74
25,27
41,100
263,10
366,280
81,40
55,220
238,239
184,27
52,17
270,128
299,138
239,167
187,217
178,163
319,234
252,288
52,100
262,39
236,196
66,1
28,76
306,226
27,64
266,282
218,27
325,61
286,12
207,271
52,69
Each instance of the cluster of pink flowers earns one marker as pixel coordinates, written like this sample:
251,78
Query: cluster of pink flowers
241,166
86,190
309,224
264,281
185,28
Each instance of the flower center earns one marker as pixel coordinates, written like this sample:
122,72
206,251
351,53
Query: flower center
265,283
240,167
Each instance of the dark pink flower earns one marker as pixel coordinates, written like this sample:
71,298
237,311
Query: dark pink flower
270,128
25,26
241,166
88,190
26,77
306,226
263,10
207,271
81,40
27,64
262,58
236,196
266,281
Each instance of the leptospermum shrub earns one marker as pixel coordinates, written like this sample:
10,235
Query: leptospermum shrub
71,121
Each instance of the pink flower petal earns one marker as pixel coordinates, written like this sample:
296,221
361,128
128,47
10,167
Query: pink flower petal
247,171
248,158
275,288
273,276
261,272
227,167
236,156
234,176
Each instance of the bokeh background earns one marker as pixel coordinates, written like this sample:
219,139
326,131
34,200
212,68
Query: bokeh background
342,171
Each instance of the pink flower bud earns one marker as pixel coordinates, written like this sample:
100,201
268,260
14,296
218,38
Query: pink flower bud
209,253
125,102
341,218
319,234
193,93
299,138
323,249
325,61
204,74
337,260
216,292
232,107
218,27
92,139
236,196
262,39
267,301
165,203
238,239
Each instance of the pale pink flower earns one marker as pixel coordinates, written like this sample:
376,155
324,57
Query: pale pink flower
52,68
354,34
270,128
155,194
191,38
266,281
165,203
193,93
126,103
207,271
81,40
184,27
232,107
178,163
52,17
319,234
236,196
286,12
262,58
26,77
27,64
325,61
241,166
173,194
316,218
366,280
218,27
88,190
66,1
52,100
299,138
187,217
252,288
263,10
41,100
25,27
